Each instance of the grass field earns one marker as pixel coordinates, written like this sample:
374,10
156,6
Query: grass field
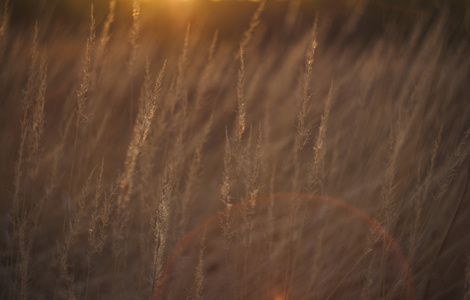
234,150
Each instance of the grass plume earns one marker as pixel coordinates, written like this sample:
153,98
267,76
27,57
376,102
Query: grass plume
236,120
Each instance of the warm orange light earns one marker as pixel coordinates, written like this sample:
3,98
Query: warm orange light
279,297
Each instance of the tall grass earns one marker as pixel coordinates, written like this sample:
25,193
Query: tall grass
202,194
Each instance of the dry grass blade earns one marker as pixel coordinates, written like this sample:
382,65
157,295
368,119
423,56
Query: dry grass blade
162,218
134,34
70,237
225,190
305,107
457,158
317,167
241,113
205,77
291,15
199,280
23,213
192,177
421,194
83,93
104,40
141,130
254,23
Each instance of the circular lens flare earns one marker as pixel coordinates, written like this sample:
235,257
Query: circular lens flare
371,222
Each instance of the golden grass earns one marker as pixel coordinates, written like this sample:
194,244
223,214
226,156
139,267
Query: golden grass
97,207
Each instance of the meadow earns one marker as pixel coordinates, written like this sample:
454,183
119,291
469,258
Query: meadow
234,150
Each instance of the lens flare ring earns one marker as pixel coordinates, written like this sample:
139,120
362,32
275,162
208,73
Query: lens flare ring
386,237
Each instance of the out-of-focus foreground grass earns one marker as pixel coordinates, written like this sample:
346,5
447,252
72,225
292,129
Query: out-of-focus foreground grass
126,125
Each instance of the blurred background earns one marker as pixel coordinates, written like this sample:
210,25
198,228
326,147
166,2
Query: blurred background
231,14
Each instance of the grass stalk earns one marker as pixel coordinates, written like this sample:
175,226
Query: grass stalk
254,23
83,93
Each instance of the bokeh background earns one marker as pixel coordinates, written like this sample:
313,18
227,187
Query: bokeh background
106,167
